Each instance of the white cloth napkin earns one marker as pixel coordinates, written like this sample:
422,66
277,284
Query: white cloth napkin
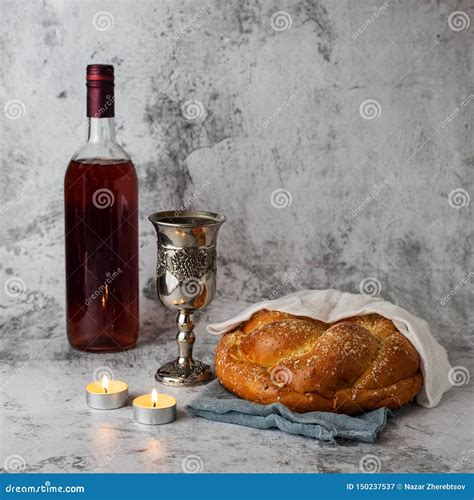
332,305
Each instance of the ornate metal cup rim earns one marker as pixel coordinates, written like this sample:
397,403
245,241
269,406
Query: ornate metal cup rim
187,218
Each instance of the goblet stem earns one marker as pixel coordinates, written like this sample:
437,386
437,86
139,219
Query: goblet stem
185,338
185,370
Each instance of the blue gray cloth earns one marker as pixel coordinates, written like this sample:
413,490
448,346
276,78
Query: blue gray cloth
216,403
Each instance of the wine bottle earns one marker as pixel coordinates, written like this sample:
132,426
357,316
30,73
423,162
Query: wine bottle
101,226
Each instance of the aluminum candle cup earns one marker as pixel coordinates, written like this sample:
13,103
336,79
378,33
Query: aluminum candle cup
107,395
154,409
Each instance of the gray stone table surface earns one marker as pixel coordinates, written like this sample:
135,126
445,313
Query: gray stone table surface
47,427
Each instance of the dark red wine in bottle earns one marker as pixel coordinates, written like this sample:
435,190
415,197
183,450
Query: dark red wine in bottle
101,219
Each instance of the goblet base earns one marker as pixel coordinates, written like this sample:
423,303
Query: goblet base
177,375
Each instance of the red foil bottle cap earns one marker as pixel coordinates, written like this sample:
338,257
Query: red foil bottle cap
100,72
100,91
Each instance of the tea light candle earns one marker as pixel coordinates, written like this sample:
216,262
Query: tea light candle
107,394
154,408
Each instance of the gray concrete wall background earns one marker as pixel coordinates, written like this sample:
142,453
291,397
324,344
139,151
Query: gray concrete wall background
335,136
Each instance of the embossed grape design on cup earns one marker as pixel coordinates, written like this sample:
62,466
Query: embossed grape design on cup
185,282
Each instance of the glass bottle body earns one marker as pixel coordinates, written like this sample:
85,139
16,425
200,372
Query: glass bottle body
101,228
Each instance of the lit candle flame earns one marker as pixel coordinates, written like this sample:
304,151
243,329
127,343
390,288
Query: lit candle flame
105,382
154,397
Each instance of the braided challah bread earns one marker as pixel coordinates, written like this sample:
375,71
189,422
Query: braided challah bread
351,366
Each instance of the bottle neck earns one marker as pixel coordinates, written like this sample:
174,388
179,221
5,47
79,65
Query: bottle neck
100,111
101,144
101,130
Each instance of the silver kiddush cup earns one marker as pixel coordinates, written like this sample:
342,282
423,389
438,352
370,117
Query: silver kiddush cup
186,281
